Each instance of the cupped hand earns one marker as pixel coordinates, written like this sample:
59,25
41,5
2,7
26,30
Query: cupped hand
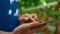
26,28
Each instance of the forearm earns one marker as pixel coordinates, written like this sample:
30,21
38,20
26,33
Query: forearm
2,32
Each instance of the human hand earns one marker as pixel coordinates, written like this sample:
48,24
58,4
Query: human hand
26,18
26,28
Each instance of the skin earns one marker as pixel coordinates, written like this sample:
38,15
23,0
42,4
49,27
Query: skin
25,28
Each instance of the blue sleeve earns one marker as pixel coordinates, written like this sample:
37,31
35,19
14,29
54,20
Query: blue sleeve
8,15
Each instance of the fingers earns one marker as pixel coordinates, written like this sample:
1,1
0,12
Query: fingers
24,17
29,25
34,16
28,18
32,24
31,17
25,26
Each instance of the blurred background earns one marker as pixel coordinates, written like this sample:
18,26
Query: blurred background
45,10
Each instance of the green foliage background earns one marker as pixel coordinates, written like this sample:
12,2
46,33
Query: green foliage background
24,4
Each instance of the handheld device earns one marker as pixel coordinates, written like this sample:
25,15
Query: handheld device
43,24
